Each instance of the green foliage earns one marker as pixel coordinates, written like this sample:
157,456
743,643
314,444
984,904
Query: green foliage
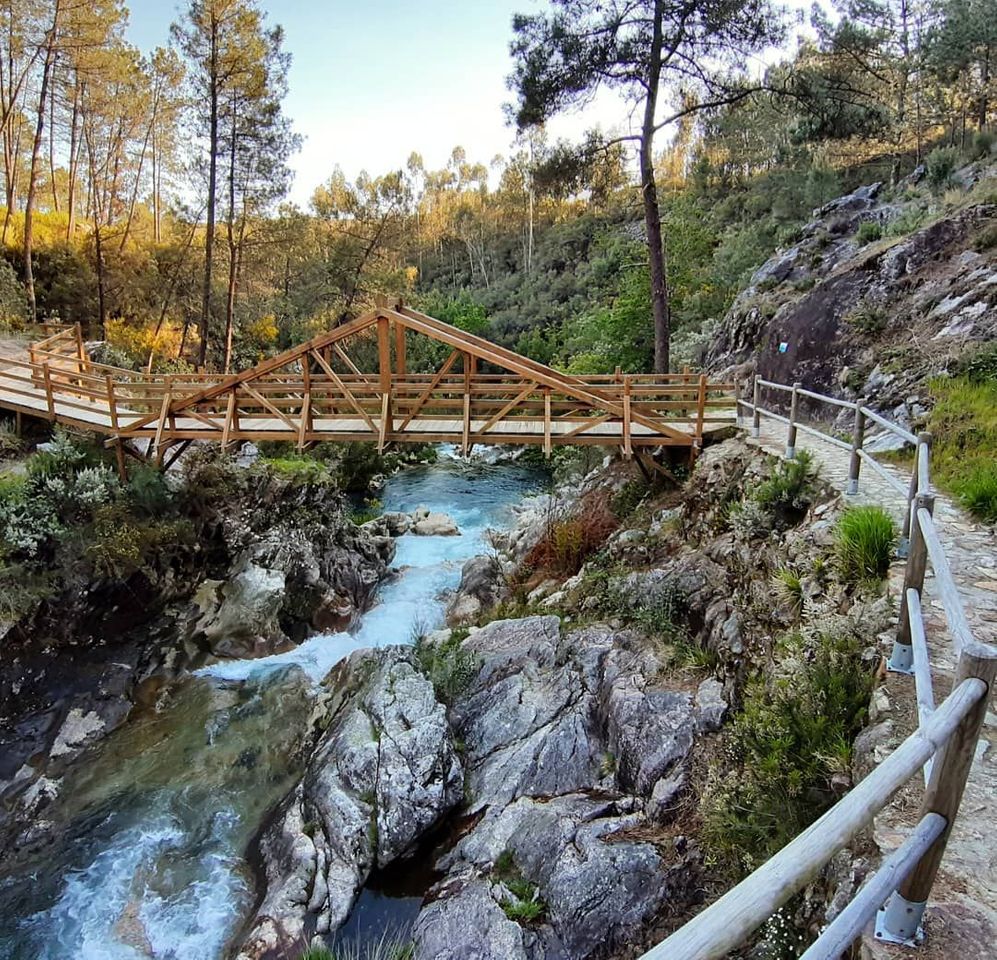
868,232
793,734
626,500
963,425
10,443
909,221
940,166
867,318
523,903
980,366
371,510
299,470
448,666
789,587
865,540
986,239
13,302
976,489
790,489
983,144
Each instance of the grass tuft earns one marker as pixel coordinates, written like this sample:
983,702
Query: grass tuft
866,540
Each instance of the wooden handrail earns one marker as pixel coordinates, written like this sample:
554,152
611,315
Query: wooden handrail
945,758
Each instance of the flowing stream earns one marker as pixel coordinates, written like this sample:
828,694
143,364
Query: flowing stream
154,827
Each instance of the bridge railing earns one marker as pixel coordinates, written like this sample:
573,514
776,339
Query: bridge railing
472,406
942,747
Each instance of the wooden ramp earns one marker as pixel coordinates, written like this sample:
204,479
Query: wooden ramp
353,383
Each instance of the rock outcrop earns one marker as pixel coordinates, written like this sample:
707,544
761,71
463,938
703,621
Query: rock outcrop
566,736
383,773
870,319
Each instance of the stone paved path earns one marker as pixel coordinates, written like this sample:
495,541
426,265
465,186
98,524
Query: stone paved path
962,916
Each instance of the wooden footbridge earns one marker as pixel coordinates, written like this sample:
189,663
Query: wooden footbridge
320,390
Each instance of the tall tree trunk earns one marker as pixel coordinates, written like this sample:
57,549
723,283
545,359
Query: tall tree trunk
652,212
983,109
138,174
230,233
51,146
75,149
29,203
156,233
209,230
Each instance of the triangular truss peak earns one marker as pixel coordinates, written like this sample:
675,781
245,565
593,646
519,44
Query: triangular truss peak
356,382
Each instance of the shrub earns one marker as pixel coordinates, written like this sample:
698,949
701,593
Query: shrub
793,734
10,443
908,221
865,540
523,903
977,491
983,145
749,520
866,318
628,498
789,587
986,239
981,365
13,302
299,471
570,539
789,491
940,166
963,424
868,232
447,665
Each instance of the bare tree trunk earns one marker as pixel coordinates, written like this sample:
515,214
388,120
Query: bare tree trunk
652,212
29,277
209,232
230,233
51,145
138,174
75,149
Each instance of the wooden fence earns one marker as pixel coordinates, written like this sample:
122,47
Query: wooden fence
942,747
316,391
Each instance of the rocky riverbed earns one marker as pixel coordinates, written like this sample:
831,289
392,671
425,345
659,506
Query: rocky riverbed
538,764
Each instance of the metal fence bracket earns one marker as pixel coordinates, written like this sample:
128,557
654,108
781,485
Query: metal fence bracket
900,922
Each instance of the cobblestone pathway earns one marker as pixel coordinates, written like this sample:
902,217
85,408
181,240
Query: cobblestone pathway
961,921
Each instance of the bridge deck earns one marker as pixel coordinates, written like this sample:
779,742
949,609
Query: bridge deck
318,391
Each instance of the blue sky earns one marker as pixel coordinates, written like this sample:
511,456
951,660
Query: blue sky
372,81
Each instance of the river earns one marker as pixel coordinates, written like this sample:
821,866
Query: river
155,824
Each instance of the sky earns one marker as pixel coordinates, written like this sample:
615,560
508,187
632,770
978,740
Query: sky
373,80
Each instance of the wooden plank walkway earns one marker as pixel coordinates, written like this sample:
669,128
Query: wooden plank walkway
352,383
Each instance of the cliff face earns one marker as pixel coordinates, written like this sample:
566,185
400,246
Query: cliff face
882,290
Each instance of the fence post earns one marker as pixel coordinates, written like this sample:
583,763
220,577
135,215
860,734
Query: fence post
923,448
756,417
794,411
899,920
858,437
49,399
902,658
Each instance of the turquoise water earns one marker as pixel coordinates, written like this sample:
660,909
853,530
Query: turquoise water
150,855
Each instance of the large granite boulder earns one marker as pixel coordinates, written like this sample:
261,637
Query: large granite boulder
383,773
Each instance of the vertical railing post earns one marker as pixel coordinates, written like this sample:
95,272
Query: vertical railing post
49,399
923,449
794,412
899,920
858,438
902,658
627,451
756,415
112,408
